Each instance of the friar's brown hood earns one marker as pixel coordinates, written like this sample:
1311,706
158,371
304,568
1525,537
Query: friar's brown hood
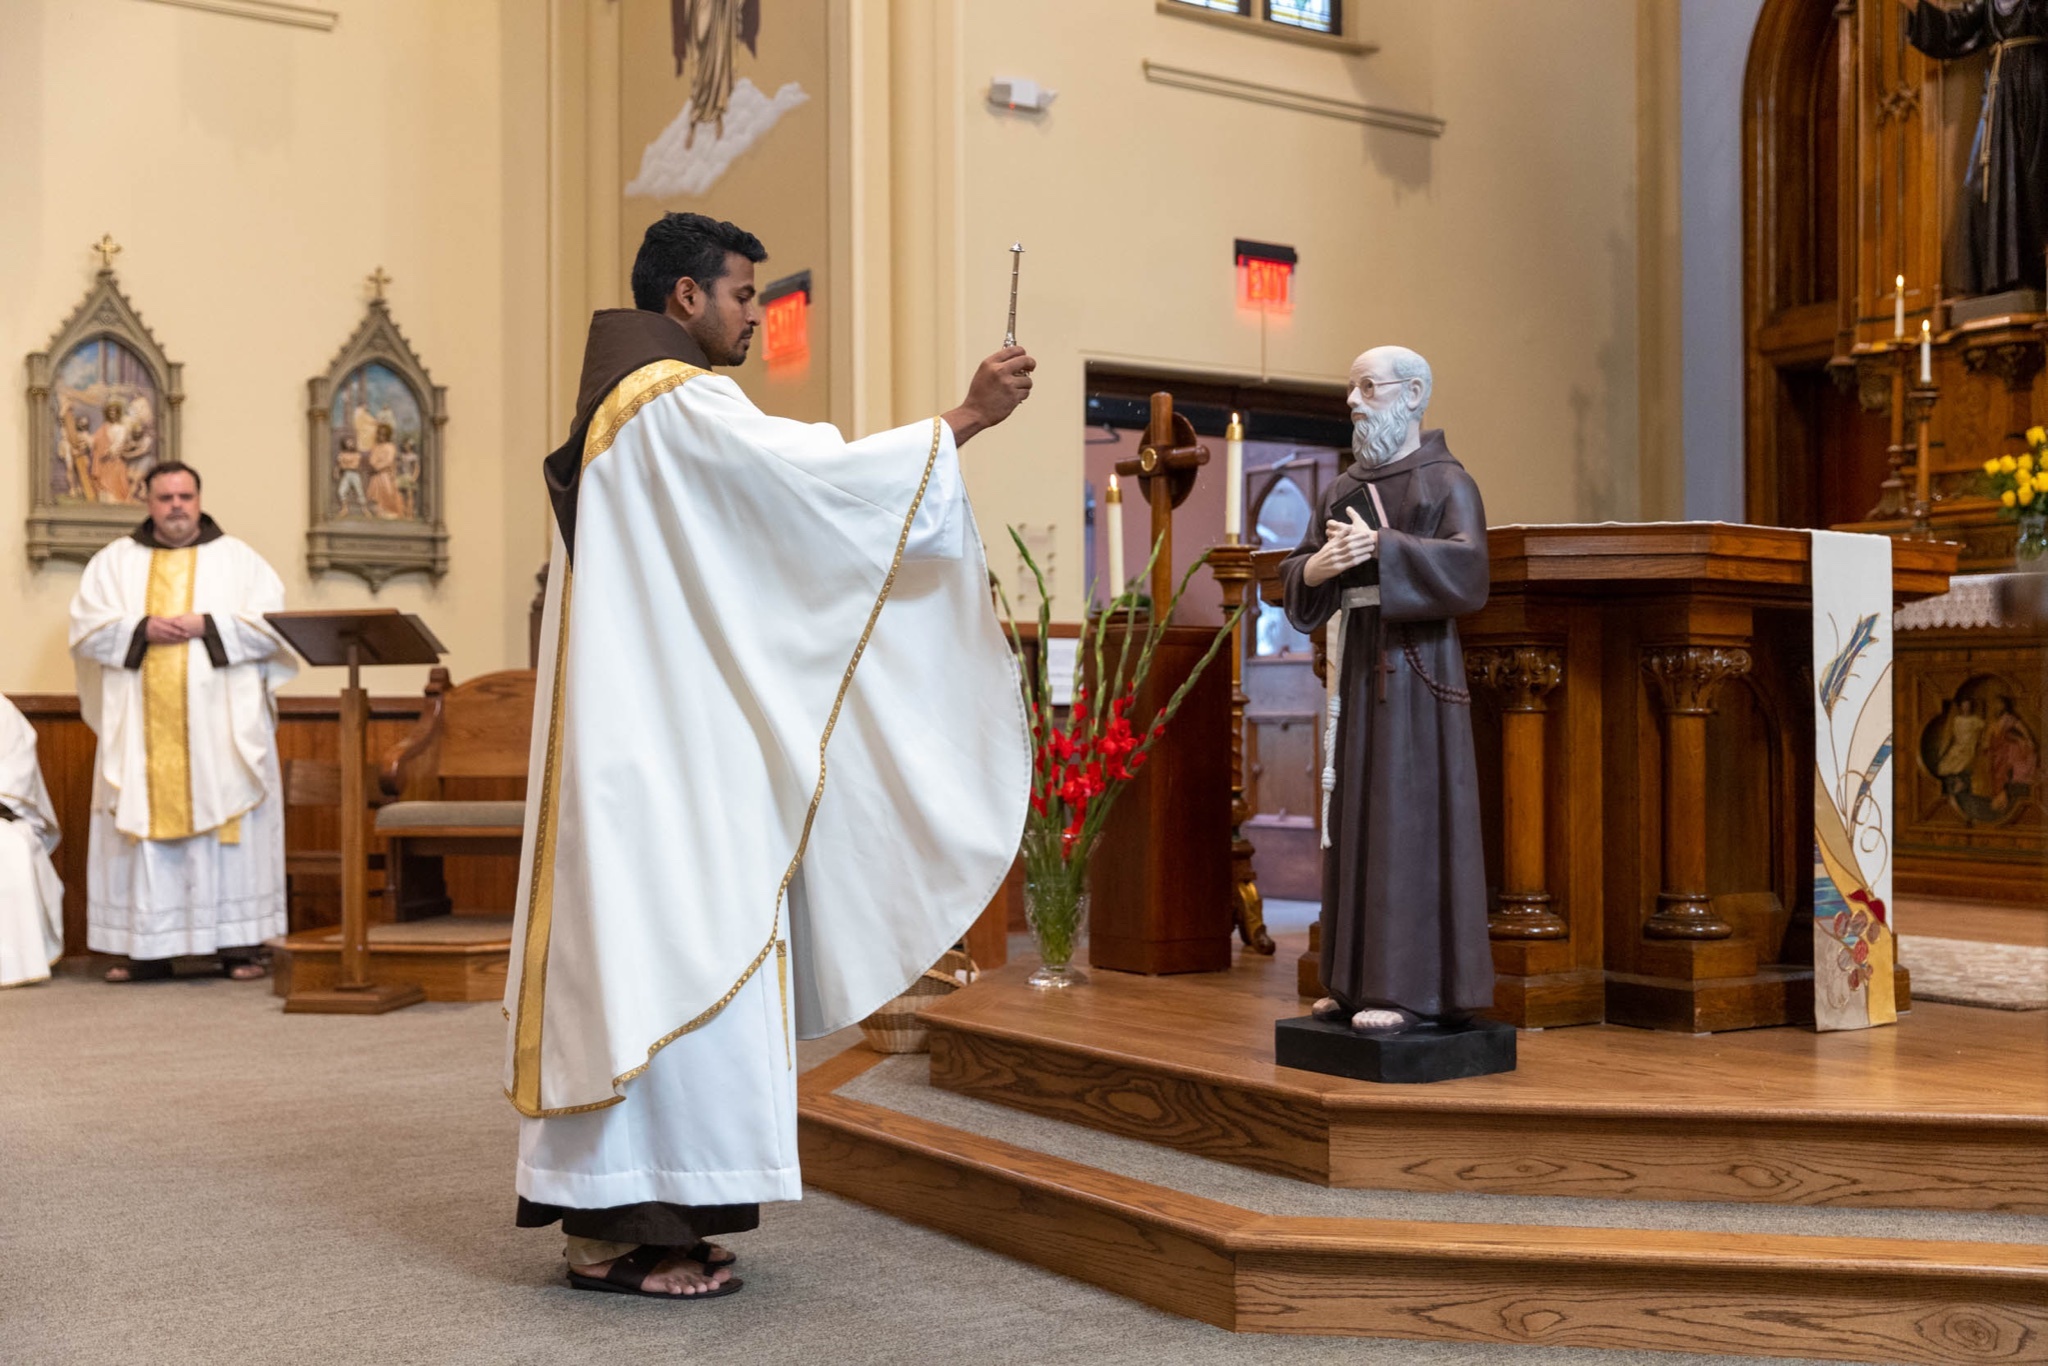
1432,451
209,531
621,341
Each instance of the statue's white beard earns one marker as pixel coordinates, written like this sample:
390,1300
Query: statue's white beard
1377,436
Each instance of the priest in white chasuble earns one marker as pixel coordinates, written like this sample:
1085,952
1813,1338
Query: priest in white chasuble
177,675
780,765
31,897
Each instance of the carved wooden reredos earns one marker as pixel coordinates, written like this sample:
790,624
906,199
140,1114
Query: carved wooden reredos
1854,152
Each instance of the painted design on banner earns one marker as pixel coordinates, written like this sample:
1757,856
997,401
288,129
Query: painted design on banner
1853,945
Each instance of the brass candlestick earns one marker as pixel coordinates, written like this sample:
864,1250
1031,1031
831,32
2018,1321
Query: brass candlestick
1891,494
1232,565
1922,399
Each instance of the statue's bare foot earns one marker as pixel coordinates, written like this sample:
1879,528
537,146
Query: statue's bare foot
1329,1008
1377,1018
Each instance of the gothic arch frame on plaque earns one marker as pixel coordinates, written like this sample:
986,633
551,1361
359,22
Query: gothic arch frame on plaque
376,500
104,407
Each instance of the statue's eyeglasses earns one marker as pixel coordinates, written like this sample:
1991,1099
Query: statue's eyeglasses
1368,386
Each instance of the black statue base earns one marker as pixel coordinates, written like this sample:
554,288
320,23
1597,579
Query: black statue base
1428,1051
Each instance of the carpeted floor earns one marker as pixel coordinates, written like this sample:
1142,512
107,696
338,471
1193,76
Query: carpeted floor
188,1176
1998,976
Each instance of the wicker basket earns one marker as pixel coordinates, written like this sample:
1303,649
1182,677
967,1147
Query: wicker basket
895,1027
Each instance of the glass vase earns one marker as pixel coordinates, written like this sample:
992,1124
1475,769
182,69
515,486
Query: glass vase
1057,911
2032,542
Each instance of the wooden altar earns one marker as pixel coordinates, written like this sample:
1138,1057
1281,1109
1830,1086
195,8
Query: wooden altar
1645,748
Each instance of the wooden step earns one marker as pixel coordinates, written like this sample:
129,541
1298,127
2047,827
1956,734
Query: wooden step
1853,1299
1943,1111
454,958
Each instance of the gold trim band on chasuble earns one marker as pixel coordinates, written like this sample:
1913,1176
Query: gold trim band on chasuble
616,411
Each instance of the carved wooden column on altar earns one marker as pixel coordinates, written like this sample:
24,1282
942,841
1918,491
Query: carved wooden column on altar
1686,678
1521,676
1534,662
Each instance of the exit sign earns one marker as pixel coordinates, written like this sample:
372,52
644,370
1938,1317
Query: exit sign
1265,276
786,318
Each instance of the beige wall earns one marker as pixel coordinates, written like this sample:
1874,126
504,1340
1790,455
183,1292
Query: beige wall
477,148
254,174
1506,251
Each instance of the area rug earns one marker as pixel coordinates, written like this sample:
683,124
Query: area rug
1964,973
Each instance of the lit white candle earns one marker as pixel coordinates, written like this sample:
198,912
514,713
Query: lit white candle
1926,352
1899,308
1233,478
1114,502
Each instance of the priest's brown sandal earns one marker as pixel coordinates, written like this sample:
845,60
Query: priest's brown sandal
147,970
701,1254
629,1273
243,969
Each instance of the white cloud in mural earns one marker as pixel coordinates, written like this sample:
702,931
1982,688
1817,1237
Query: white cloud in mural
669,168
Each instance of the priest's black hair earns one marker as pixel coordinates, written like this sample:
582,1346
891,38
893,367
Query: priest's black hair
172,467
686,244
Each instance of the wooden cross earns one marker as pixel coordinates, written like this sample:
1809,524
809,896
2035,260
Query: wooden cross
378,279
1165,468
108,249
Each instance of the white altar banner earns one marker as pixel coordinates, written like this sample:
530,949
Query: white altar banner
1853,945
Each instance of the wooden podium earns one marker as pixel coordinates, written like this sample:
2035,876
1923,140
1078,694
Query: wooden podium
377,635
1161,895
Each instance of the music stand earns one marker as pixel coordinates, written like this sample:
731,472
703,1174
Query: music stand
371,635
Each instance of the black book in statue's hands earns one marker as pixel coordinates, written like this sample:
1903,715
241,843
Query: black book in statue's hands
1359,575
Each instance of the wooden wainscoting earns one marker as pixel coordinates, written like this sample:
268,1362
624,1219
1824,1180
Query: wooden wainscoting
308,728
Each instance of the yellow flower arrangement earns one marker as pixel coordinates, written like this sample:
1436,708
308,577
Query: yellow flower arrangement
2020,484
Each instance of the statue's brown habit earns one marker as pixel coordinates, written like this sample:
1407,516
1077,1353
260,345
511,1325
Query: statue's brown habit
1404,879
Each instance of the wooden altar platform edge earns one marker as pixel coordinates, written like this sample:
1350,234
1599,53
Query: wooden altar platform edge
1844,1298
1944,1111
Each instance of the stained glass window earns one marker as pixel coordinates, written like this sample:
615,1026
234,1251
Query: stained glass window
1224,6
1318,16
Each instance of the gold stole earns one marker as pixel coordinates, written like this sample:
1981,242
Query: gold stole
166,736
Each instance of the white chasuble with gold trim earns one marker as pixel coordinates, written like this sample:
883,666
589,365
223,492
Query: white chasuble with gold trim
31,897
187,829
780,765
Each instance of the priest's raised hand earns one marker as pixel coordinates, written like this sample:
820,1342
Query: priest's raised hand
1000,383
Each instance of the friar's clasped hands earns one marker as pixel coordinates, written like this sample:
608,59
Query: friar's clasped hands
1346,545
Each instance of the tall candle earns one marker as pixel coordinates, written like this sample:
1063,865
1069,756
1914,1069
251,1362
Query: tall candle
1233,479
1899,308
1115,503
1926,352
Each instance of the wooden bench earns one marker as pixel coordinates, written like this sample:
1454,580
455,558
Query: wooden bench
459,781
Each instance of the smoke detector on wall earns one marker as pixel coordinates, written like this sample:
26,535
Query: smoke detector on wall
1009,92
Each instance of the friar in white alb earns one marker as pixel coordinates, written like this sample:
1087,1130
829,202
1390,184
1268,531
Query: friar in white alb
31,897
737,604
177,674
